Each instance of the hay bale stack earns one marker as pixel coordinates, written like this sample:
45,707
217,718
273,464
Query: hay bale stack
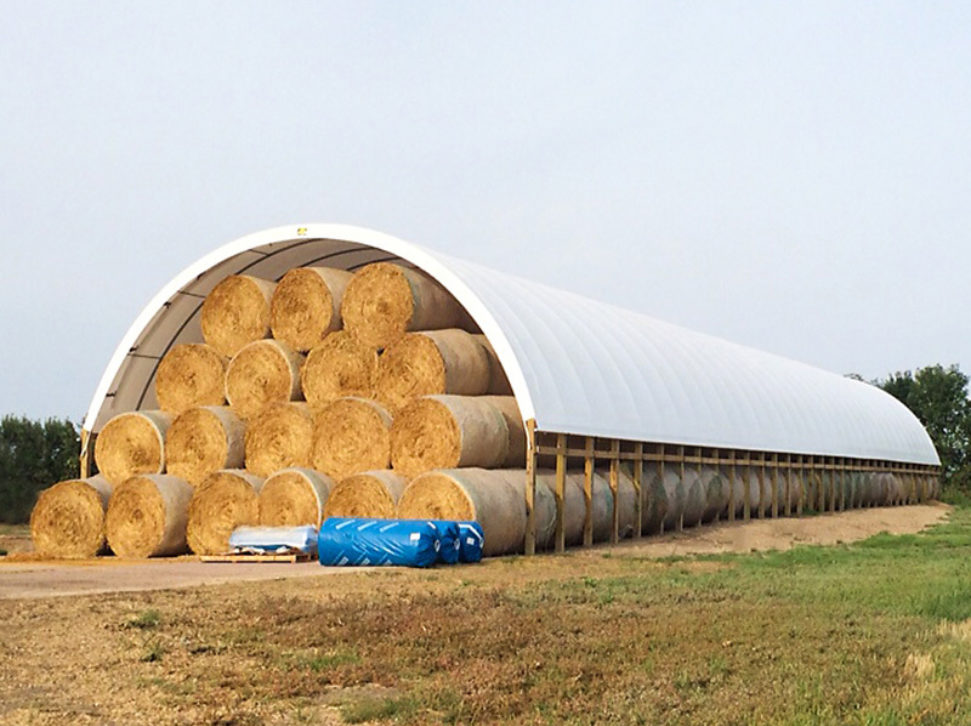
493,498
68,520
654,498
340,366
132,443
431,362
370,494
294,497
351,435
226,500
147,516
306,305
695,498
263,372
717,493
444,432
278,437
190,375
236,312
626,498
498,383
676,496
203,440
383,301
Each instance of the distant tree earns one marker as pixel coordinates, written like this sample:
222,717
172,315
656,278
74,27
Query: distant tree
938,396
33,455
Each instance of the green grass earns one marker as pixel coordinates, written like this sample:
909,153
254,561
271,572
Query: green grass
146,620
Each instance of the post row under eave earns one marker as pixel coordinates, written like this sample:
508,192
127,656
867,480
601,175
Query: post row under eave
771,469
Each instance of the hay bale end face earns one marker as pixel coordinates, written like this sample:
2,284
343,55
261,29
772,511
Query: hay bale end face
264,372
68,519
203,440
306,306
370,494
444,432
351,435
236,312
340,366
132,443
498,382
294,497
224,501
383,301
432,362
147,516
278,437
190,375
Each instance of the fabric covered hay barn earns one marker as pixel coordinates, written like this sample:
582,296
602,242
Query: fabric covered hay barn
552,418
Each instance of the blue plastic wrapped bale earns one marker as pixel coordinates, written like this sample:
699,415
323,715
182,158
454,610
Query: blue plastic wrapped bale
471,541
273,540
358,541
449,540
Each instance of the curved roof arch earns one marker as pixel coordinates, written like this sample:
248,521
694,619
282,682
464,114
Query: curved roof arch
575,365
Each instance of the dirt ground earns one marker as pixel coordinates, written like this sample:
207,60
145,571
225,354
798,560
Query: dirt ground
22,576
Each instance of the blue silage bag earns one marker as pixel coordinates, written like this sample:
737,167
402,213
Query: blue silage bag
471,541
449,539
358,541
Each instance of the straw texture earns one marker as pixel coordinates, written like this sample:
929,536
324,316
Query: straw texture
306,305
147,516
371,494
203,440
351,435
226,500
68,519
236,312
294,497
278,437
190,375
132,443
264,372
340,366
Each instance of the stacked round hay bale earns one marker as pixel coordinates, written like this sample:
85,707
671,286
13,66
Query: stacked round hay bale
225,500
261,373
278,437
147,516
371,494
351,435
293,497
68,520
338,367
305,307
236,312
191,375
203,440
132,443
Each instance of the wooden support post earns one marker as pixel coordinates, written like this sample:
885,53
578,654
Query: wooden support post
747,488
762,497
530,542
660,473
802,486
588,462
731,487
638,500
832,484
85,457
775,486
560,535
614,488
681,465
787,506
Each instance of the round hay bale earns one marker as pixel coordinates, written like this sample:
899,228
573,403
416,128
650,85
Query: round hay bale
278,437
695,499
654,498
626,498
431,362
351,435
68,520
203,440
294,497
132,443
306,305
236,312
493,498
263,372
717,491
147,516
498,383
369,494
444,432
383,301
340,366
226,500
190,375
516,453
676,496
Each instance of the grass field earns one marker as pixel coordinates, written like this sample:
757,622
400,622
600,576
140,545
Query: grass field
878,632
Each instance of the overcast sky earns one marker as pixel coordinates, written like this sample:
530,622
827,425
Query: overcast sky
794,176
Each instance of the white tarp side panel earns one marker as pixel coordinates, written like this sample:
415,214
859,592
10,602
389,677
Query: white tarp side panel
576,365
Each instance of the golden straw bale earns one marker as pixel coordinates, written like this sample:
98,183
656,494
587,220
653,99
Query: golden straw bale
371,494
190,375
574,508
498,383
306,305
278,437
265,371
294,497
431,362
132,443
68,520
383,301
226,500
516,452
340,366
203,440
443,432
494,498
236,312
147,516
351,435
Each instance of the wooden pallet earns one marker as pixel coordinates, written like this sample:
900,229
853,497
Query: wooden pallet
241,557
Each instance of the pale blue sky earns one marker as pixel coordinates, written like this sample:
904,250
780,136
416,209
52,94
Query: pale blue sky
795,176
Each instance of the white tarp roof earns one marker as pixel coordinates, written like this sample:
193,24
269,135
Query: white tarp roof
576,365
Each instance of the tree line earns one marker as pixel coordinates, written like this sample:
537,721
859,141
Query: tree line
35,454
